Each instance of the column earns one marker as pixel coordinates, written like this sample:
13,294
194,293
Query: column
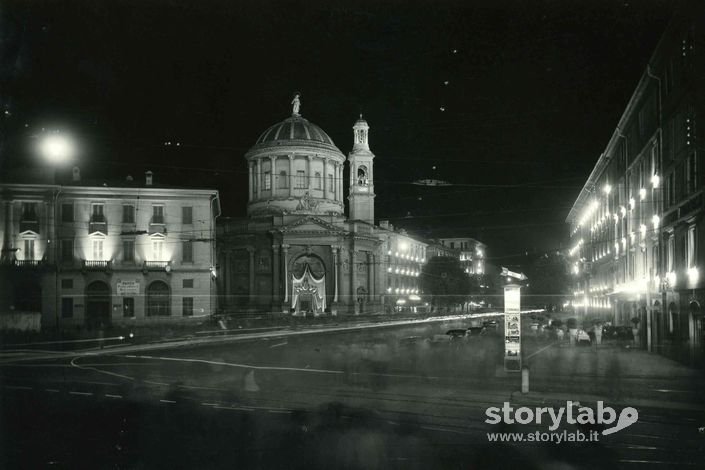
370,276
285,250
258,177
291,175
272,173
353,281
275,274
339,268
334,251
309,178
325,178
340,178
251,181
251,251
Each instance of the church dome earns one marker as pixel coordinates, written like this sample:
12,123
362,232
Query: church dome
293,130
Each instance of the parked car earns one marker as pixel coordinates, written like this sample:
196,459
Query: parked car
474,332
490,324
457,334
617,333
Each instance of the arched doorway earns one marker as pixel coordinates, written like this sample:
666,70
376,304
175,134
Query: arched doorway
97,305
697,353
308,285
158,299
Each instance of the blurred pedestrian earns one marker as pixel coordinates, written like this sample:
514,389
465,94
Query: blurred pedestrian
598,333
559,334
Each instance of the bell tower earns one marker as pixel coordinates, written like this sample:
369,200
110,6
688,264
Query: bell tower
361,194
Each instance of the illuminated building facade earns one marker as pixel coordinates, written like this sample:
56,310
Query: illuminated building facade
90,255
637,226
471,253
296,252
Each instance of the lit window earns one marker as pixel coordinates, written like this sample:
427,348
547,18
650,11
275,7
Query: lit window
98,250
29,250
157,249
128,250
690,248
267,181
98,213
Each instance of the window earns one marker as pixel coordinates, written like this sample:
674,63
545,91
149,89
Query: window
300,179
187,215
157,249
128,250
267,181
67,250
158,299
158,214
67,212
67,283
671,188
98,250
97,213
66,307
187,306
29,211
282,183
690,248
128,214
655,260
29,249
330,182
670,254
128,307
318,180
452,245
187,251
187,283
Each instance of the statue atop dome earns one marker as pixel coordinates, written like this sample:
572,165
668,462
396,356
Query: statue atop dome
296,105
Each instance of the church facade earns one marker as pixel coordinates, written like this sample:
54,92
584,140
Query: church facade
296,252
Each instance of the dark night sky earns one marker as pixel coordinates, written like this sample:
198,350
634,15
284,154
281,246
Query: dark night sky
535,89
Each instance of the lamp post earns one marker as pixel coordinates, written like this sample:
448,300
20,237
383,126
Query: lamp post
56,149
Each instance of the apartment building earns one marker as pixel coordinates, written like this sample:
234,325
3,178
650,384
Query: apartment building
637,226
85,255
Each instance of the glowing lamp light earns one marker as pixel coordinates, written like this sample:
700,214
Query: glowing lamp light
607,189
403,246
671,278
642,229
632,203
693,275
655,181
623,210
655,220
624,242
642,193
56,148
389,289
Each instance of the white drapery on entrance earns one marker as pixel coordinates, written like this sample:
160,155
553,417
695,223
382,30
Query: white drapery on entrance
307,286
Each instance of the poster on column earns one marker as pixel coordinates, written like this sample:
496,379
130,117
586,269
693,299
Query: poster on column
512,328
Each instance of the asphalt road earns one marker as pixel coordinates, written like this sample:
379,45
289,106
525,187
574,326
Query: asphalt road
377,398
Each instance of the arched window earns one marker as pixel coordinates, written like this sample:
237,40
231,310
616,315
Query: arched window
158,299
362,178
283,180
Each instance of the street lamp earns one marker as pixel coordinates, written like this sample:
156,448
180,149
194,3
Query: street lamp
56,148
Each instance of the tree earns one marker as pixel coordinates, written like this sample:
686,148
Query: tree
549,281
444,279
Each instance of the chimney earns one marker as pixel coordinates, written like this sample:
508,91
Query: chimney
384,224
129,179
76,174
148,178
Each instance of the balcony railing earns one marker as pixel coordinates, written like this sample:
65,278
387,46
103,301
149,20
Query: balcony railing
27,263
157,266
29,225
97,265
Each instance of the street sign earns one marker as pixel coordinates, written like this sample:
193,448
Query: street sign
128,288
512,328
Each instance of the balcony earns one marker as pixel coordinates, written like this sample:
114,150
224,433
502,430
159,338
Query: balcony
93,265
26,263
157,225
29,226
156,266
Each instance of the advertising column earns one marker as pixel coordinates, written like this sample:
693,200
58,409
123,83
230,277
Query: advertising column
512,328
